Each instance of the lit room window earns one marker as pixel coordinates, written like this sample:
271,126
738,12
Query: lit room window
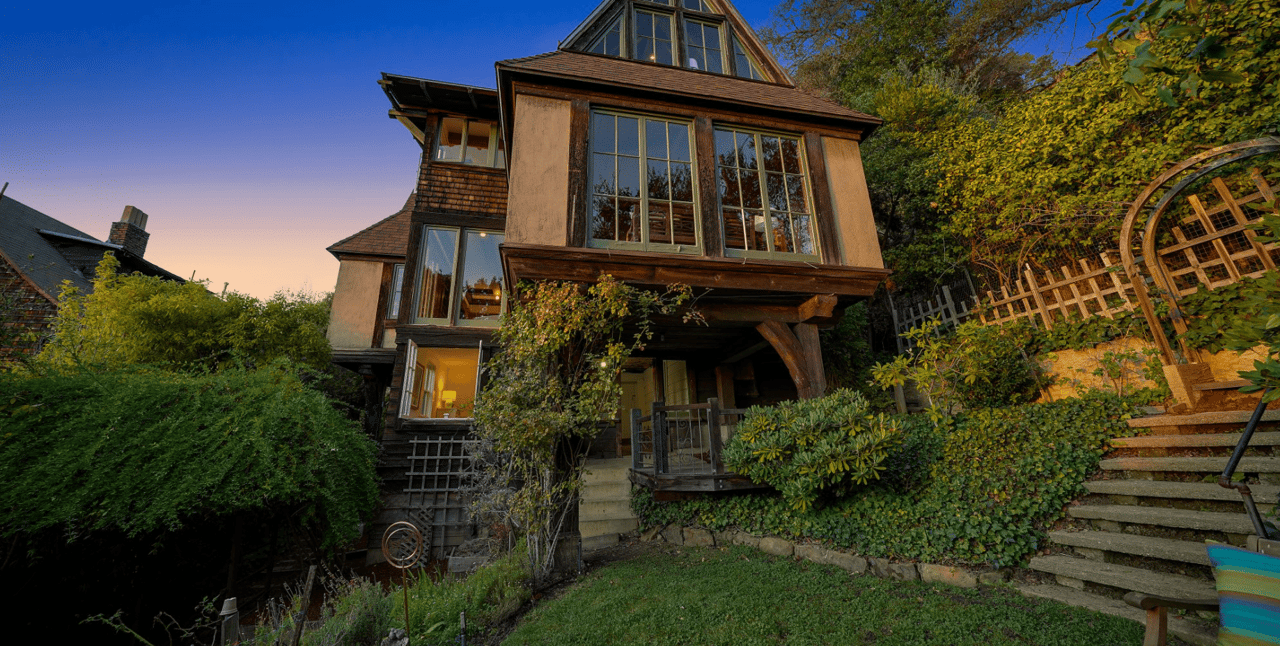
653,37
466,141
439,383
459,280
702,41
764,195
642,183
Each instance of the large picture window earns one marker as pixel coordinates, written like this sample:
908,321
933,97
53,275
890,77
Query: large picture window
642,183
459,277
764,195
467,141
439,382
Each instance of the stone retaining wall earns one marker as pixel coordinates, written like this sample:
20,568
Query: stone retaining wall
851,563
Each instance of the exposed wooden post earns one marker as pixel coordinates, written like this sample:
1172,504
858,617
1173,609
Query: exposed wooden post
811,344
658,422
793,354
724,386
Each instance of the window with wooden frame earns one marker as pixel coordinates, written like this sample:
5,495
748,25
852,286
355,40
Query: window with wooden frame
744,65
440,383
703,46
644,193
459,279
690,33
395,291
469,141
764,195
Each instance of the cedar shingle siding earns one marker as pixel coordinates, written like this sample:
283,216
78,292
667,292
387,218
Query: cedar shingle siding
454,188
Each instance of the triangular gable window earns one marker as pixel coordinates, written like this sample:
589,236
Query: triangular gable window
744,65
610,42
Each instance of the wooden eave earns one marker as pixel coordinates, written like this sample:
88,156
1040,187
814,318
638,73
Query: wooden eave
544,262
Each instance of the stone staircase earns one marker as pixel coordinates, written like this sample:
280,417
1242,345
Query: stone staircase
604,511
1143,524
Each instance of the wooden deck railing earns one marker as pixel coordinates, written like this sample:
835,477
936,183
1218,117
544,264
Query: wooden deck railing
685,439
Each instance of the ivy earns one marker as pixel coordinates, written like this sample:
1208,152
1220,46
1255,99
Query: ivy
142,451
979,487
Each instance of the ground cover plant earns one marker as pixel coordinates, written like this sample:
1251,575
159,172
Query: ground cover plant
978,487
741,597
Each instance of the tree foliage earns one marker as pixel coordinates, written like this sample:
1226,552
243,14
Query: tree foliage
555,378
136,319
145,451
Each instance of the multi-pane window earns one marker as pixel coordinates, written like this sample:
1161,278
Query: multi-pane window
610,42
642,183
460,277
702,41
764,194
468,141
743,65
653,37
695,5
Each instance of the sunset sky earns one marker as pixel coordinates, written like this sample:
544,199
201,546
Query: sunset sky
254,135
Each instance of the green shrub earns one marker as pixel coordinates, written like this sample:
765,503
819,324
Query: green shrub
360,615
995,479
809,447
487,595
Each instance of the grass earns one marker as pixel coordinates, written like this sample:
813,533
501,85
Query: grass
741,597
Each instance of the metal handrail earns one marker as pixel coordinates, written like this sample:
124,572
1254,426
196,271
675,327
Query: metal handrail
1224,480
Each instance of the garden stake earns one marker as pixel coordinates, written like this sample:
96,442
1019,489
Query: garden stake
402,547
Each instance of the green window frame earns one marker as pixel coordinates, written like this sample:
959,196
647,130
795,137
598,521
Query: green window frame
644,192
470,141
459,278
766,210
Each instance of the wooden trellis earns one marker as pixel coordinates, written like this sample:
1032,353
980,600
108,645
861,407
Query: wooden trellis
1047,297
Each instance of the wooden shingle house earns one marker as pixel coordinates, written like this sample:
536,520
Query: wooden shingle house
660,143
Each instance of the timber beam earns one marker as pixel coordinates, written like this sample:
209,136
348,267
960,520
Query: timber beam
801,351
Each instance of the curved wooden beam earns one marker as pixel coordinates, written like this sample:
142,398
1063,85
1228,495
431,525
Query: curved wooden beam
800,352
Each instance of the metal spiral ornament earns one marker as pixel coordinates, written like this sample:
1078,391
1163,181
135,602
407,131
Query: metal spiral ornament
403,547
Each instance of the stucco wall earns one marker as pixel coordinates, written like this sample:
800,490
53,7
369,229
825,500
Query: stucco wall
355,304
859,246
1073,368
539,172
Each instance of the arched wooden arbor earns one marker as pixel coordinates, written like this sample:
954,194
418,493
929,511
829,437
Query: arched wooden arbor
1213,245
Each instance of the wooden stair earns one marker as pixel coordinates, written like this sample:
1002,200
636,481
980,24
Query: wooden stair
1143,524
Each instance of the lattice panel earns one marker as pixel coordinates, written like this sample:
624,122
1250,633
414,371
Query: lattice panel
1048,297
1213,246
438,466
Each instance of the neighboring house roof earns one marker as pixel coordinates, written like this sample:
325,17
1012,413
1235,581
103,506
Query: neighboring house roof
30,241
682,82
387,237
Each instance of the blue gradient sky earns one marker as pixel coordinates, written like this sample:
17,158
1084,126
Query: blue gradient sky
255,136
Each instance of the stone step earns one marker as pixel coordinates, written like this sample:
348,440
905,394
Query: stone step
606,509
593,543
598,527
1124,577
1164,517
1217,417
1190,632
1262,494
613,470
1193,465
1147,546
597,490
1260,438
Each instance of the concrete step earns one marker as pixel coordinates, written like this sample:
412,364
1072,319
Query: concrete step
1260,438
592,543
1147,546
598,527
1164,517
1221,417
613,470
1180,490
1193,465
597,490
606,509
1124,577
1190,632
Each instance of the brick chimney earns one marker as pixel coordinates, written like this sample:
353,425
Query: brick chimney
130,232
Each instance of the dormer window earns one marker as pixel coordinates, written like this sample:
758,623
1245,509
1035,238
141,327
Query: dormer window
469,141
706,53
653,37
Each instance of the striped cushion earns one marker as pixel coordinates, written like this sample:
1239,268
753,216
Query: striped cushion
1249,593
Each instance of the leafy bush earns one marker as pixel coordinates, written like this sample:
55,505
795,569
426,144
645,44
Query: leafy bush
360,615
487,595
804,448
143,451
1000,477
974,365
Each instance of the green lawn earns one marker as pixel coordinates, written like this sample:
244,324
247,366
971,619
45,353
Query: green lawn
739,597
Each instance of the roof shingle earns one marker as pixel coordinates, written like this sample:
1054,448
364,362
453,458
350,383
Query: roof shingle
387,237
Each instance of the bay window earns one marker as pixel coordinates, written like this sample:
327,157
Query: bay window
643,192
764,195
459,278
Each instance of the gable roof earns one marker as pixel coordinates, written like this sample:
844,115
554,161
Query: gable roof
750,40
648,77
30,241
386,237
